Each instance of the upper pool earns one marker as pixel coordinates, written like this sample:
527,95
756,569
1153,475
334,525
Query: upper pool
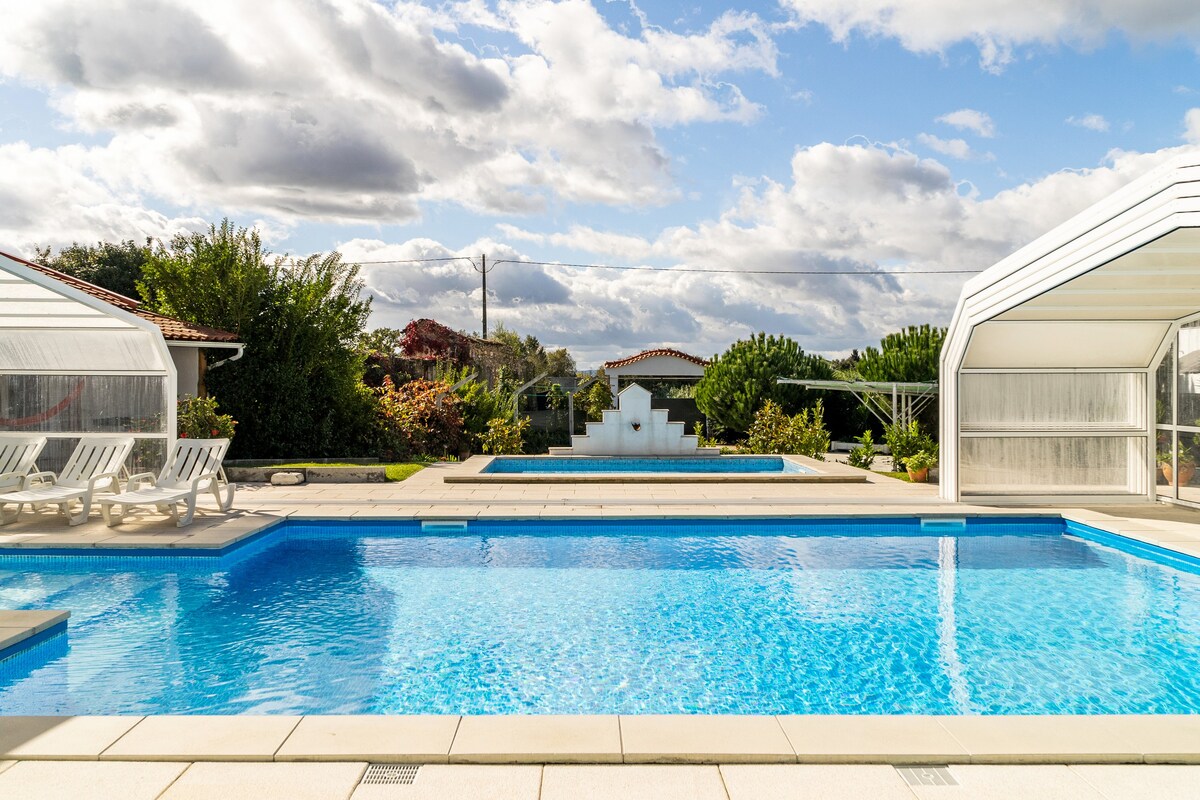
556,465
841,616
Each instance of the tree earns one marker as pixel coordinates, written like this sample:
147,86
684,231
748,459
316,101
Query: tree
912,355
116,267
297,391
737,383
527,357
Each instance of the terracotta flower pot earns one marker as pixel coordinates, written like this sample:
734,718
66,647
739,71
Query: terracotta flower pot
918,475
1186,473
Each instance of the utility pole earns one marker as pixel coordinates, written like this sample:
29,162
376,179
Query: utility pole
482,269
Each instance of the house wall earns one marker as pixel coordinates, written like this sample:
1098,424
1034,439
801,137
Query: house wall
654,367
187,370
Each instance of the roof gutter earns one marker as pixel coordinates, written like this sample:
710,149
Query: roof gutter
241,348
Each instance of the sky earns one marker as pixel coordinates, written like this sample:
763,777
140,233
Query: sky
899,141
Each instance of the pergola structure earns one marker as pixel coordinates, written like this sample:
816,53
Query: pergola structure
72,364
891,402
1071,364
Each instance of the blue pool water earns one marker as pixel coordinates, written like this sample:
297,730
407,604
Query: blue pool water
822,616
552,465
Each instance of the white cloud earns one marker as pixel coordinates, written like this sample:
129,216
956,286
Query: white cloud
52,198
852,208
954,148
968,119
348,110
997,27
1191,122
1093,122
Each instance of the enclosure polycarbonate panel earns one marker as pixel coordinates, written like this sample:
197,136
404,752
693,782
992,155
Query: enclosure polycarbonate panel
109,350
1041,465
1053,400
83,403
1069,345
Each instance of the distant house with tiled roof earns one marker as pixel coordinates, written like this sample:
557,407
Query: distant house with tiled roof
661,363
186,341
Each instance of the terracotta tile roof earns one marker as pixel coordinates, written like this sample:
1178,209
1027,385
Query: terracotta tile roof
661,351
173,330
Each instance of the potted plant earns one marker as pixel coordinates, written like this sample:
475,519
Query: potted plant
1187,465
918,465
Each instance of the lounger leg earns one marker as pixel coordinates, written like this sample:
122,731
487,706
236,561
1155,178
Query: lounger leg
224,499
112,517
186,519
85,510
9,517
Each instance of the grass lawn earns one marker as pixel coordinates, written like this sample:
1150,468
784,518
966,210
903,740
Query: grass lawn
900,476
394,472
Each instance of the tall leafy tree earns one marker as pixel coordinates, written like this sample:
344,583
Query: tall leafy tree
297,391
738,382
911,355
116,267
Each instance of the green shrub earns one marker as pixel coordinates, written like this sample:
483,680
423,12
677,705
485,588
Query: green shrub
907,440
480,405
197,418
420,418
863,455
773,431
504,437
922,459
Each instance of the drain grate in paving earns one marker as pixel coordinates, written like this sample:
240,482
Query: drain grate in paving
927,776
390,774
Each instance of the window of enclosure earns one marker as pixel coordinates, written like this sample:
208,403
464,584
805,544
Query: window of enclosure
1016,465
1053,401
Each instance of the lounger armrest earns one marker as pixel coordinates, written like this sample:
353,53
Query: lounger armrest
111,478
200,479
43,477
136,480
16,478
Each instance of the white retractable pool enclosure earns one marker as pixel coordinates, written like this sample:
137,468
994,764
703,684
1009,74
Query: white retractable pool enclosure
72,364
1072,368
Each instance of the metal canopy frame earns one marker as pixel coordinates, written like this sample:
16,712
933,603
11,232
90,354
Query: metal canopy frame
900,402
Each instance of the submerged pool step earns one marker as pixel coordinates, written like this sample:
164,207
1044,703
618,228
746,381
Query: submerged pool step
943,523
443,525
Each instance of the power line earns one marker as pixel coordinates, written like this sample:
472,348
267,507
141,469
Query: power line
705,270
727,271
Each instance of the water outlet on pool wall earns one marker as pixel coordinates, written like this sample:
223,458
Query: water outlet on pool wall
637,426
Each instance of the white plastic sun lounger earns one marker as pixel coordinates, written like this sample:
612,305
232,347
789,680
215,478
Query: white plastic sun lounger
194,466
18,457
93,467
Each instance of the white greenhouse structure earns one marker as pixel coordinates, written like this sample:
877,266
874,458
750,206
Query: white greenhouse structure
72,364
1072,368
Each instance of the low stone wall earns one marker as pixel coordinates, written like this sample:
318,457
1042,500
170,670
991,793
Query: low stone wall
366,473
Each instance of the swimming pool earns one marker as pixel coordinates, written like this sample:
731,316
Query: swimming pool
846,616
558,465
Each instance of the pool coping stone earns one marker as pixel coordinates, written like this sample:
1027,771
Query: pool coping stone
611,739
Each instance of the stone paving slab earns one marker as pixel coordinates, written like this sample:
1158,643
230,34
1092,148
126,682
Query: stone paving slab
537,739
209,781
461,782
632,783
202,738
422,739
813,782
60,738
43,780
